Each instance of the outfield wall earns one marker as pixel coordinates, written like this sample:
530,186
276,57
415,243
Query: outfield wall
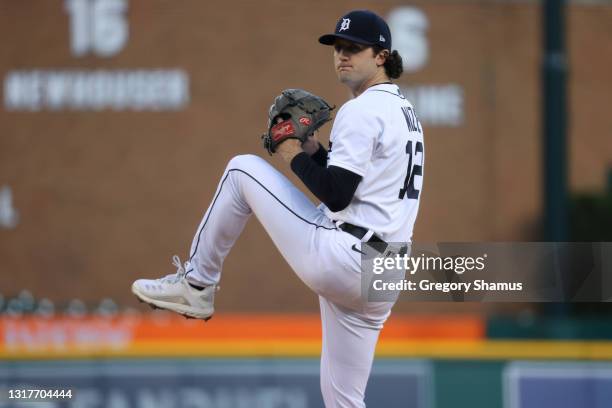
272,362
117,118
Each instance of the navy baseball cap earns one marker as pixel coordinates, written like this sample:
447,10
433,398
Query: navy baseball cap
360,26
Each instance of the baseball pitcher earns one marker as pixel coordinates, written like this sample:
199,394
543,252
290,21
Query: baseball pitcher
369,183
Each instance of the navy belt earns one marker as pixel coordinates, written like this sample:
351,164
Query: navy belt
359,232
374,241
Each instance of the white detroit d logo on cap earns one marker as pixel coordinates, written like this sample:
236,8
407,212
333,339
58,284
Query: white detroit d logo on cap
346,22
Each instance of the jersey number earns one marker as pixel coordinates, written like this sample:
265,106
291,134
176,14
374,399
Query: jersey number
413,170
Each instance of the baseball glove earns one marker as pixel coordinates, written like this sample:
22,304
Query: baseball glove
295,114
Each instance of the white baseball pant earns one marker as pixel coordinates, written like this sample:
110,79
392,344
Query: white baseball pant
318,252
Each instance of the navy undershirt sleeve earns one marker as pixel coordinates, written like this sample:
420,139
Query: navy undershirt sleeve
333,185
320,156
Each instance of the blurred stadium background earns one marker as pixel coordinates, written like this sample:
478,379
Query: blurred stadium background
118,117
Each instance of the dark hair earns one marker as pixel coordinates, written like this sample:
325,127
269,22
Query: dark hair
393,64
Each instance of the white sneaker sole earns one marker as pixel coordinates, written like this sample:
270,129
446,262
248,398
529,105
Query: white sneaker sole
186,311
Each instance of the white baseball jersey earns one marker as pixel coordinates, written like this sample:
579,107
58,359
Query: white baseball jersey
378,136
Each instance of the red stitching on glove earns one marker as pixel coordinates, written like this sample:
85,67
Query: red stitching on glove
282,130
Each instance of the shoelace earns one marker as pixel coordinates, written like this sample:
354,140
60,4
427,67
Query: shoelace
180,271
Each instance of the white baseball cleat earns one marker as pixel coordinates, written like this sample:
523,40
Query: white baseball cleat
174,293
